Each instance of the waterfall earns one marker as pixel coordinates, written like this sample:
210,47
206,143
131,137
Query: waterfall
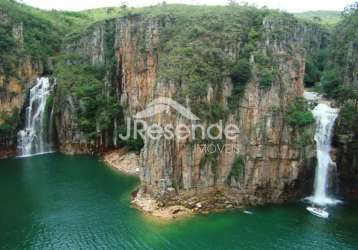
35,138
51,129
325,117
115,133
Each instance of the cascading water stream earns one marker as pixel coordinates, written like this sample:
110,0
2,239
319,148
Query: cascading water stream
325,117
115,133
35,138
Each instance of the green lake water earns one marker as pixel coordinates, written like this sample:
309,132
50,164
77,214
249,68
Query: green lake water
75,202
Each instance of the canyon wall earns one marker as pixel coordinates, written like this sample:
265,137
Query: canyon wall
345,141
17,74
271,168
273,160
241,66
342,86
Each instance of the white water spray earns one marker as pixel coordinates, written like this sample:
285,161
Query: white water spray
35,138
325,117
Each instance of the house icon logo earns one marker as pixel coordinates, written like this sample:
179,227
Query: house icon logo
164,104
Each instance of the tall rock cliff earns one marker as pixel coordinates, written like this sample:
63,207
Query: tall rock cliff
265,165
200,63
341,84
29,39
18,69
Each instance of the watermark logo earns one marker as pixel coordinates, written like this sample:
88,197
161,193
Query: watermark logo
191,129
163,104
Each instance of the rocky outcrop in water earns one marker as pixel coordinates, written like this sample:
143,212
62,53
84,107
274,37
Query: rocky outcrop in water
347,157
123,160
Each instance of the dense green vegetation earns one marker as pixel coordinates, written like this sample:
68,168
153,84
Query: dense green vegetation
298,114
65,21
204,61
348,120
312,73
39,40
299,117
43,32
237,168
241,72
133,142
195,48
339,81
95,110
329,18
8,123
317,53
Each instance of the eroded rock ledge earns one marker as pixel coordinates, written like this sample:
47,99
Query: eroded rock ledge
123,160
7,152
154,208
173,205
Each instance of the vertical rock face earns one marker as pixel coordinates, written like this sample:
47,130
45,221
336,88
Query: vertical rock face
347,161
273,168
71,139
344,62
132,45
351,64
90,44
13,97
13,87
137,54
28,39
346,153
